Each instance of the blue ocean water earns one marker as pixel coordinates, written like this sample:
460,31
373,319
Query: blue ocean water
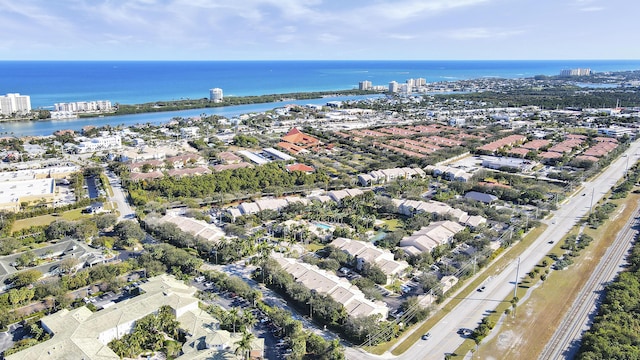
132,82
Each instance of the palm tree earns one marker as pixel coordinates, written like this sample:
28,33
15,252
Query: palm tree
249,320
118,347
244,344
233,313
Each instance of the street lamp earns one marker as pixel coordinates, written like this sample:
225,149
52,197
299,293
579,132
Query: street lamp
515,287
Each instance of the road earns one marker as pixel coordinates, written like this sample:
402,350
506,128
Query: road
566,340
119,197
472,309
15,332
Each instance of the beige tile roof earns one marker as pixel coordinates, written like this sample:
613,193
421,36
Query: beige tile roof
323,282
80,333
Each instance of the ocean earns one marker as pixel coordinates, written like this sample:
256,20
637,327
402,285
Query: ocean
133,82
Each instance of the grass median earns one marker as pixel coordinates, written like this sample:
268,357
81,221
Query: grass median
525,334
497,266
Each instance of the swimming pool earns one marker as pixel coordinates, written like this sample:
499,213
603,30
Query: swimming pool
323,226
379,236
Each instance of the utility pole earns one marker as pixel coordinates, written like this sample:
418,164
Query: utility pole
474,264
515,287
593,192
626,170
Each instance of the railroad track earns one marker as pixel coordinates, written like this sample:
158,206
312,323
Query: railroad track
575,320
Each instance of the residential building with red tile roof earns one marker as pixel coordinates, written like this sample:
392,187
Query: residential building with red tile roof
144,176
443,141
587,158
550,155
195,171
504,142
407,145
180,161
368,133
229,158
295,141
399,150
397,131
535,144
567,146
295,136
600,149
222,167
137,166
521,152
606,139
300,167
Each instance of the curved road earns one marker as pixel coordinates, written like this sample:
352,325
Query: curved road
472,309
565,340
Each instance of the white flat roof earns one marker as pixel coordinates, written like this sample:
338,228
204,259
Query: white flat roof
254,157
279,154
12,191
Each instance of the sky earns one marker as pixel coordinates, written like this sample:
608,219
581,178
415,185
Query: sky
318,29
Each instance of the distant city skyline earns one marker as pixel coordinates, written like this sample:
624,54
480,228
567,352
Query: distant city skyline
318,30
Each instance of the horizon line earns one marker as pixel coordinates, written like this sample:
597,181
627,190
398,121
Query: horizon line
302,60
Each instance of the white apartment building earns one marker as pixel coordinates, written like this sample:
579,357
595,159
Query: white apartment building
393,87
419,82
429,237
386,175
83,334
215,95
189,132
99,143
411,83
366,252
617,131
575,72
15,104
84,106
339,289
365,85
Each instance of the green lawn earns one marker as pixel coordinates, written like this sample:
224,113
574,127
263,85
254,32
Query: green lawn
313,247
525,335
47,219
392,224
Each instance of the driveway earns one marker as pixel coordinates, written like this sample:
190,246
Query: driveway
15,333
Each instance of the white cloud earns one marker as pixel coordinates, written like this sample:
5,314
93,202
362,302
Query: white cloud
259,29
400,36
402,10
592,9
481,33
328,38
285,38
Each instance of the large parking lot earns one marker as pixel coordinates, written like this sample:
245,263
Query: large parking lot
275,347
64,195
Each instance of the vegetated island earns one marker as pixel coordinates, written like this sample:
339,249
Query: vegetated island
203,103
